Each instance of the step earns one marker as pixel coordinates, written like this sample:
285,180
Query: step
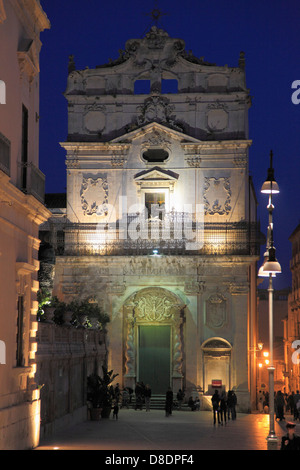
157,403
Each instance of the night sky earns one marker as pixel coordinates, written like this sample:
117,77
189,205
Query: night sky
266,30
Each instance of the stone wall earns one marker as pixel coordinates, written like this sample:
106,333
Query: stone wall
65,357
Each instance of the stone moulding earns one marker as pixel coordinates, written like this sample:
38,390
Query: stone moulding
154,306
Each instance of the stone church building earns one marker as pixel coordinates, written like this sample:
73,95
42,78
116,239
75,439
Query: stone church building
160,220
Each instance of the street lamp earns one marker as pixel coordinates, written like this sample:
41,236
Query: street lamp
270,268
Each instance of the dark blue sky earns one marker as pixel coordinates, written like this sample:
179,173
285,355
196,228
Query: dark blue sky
266,30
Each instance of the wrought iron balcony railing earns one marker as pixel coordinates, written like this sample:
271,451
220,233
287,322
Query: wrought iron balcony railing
173,238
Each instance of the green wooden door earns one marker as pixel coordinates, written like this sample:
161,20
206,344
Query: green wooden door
154,357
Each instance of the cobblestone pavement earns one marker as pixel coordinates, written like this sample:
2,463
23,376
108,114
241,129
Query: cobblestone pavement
153,431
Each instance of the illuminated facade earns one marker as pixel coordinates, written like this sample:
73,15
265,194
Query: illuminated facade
291,325
21,212
160,224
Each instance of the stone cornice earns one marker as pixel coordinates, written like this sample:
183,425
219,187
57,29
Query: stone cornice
32,15
217,145
34,210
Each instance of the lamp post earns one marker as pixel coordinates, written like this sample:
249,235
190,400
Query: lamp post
269,269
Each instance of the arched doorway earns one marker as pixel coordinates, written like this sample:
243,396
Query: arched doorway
154,339
216,364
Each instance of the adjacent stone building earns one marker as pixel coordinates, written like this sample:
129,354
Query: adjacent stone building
160,219
292,330
21,212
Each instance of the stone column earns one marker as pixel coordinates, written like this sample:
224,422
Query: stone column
130,351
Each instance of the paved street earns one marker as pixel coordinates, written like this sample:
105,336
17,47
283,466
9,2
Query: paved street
184,430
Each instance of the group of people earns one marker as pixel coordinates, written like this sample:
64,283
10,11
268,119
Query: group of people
142,395
284,403
224,406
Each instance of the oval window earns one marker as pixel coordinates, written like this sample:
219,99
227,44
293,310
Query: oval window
155,155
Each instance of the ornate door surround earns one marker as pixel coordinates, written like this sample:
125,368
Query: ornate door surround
153,306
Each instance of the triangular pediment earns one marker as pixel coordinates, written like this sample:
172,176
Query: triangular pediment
156,174
155,128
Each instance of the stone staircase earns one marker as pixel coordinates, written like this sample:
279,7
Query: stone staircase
157,403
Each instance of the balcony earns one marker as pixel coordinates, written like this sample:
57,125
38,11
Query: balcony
31,180
176,237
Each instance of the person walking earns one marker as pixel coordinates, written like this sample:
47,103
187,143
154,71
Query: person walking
180,397
169,402
116,410
259,402
147,394
279,400
296,410
216,406
138,396
231,404
223,407
290,403
117,392
290,441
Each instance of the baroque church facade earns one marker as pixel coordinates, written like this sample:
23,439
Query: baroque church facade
160,223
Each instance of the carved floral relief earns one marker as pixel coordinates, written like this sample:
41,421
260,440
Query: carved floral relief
217,196
94,195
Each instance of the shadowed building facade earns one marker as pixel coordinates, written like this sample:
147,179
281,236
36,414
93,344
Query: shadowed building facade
160,220
22,210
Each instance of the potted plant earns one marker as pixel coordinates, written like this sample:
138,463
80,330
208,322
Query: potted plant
88,313
100,393
44,301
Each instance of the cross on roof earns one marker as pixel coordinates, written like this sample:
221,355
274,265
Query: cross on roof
156,14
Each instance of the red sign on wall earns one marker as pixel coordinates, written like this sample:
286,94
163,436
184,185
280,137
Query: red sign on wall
216,383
